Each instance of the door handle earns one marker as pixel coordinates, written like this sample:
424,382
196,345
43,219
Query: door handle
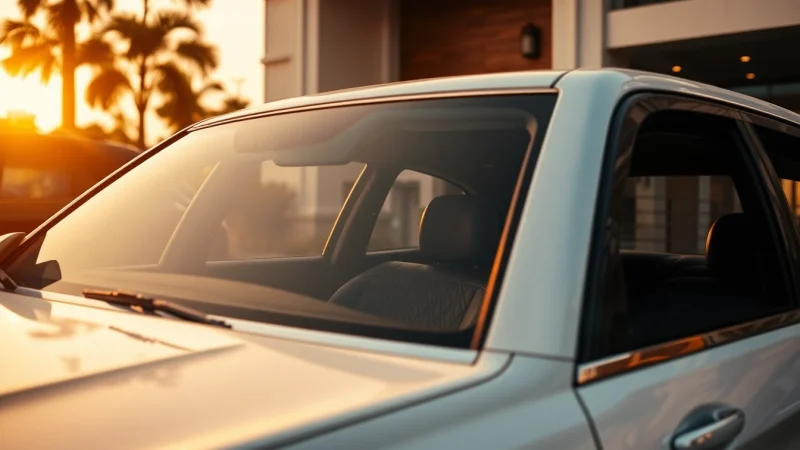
709,427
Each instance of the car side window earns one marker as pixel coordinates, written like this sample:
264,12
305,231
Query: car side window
673,213
783,149
397,226
689,245
19,182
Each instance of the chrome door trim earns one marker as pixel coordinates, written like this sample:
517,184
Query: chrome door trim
387,99
626,362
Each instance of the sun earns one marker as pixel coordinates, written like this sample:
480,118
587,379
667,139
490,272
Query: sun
30,95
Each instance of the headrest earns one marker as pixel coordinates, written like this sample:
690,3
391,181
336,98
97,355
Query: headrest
460,229
730,247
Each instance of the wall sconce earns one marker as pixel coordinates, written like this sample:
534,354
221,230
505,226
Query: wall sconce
530,41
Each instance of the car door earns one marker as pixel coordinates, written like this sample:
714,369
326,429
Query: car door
711,373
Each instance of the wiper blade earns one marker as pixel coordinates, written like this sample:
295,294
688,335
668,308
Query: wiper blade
150,304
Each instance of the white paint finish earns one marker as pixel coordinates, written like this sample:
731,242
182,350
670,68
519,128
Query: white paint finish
508,80
529,405
760,375
639,81
538,309
47,343
675,21
258,388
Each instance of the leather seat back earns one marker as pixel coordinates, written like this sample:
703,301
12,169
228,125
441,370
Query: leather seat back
459,235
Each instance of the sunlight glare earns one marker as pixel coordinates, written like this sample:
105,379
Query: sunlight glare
29,95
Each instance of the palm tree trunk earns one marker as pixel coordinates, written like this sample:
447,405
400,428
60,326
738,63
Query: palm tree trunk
68,77
141,103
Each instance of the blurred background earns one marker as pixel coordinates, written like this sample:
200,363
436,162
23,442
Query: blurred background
135,71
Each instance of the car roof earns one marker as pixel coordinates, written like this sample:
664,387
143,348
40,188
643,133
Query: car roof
625,80
506,81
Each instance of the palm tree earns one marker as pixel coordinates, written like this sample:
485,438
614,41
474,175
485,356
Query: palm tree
152,58
184,105
44,50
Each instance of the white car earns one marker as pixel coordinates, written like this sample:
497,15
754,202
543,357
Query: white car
187,301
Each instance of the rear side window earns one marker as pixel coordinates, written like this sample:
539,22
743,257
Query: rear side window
698,247
783,149
397,226
673,214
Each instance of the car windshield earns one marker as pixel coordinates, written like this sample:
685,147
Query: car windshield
312,218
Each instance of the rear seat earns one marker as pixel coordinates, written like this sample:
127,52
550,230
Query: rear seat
691,300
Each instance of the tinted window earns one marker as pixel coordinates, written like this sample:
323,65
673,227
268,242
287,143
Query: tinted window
706,255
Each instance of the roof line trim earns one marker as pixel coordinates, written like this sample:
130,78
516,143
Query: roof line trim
385,99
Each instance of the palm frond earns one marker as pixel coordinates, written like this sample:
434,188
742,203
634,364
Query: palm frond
180,103
168,21
16,33
29,7
92,9
89,11
233,104
63,14
107,88
25,60
142,40
199,54
213,86
95,51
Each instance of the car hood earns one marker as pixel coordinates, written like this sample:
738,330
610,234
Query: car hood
92,377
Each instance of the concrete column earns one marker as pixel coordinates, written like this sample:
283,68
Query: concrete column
651,214
579,34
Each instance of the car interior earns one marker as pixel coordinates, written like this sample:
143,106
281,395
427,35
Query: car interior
667,296
439,284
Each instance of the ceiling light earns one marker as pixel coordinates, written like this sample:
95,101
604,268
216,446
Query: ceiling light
744,59
750,76
676,69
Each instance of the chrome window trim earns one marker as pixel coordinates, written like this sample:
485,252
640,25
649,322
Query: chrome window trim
629,361
378,100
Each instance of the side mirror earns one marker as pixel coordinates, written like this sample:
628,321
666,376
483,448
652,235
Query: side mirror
9,242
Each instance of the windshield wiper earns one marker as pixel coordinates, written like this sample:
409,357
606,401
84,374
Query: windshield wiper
150,304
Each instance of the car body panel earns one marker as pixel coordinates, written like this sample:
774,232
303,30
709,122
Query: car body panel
538,309
529,405
759,375
226,388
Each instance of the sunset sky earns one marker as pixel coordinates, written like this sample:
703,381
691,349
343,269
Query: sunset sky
236,27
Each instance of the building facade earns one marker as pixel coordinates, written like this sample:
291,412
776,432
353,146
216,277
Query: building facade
315,46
